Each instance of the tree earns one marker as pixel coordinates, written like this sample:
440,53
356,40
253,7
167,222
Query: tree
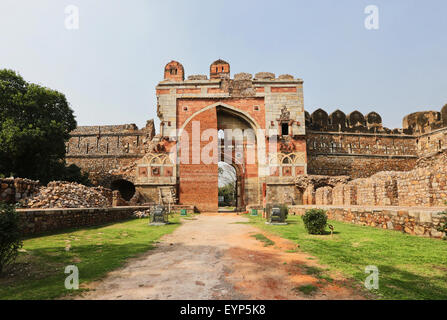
10,237
227,182
35,123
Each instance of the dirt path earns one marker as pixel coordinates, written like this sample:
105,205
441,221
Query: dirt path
216,257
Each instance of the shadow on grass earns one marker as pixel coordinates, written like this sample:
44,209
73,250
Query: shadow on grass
76,229
87,228
93,262
393,282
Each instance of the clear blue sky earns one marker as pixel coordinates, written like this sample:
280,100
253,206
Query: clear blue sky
109,67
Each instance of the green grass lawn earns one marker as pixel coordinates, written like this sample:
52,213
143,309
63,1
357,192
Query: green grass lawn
39,271
410,267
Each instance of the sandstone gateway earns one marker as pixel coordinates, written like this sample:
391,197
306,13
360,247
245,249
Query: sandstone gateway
139,163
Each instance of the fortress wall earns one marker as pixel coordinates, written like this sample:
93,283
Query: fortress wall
100,149
356,166
424,186
432,142
38,221
359,155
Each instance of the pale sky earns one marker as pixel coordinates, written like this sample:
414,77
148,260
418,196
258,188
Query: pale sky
109,67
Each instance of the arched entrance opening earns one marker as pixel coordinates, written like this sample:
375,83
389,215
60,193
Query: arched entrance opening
218,132
238,151
126,188
227,183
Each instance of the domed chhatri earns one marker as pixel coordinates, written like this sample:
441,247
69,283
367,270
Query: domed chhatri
220,69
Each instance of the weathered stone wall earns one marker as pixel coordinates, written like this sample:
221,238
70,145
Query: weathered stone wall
342,143
13,190
432,142
338,195
36,221
309,195
356,166
425,121
103,170
323,195
412,221
359,155
100,150
283,194
424,186
109,140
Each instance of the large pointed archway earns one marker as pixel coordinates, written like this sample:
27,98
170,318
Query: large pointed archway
198,176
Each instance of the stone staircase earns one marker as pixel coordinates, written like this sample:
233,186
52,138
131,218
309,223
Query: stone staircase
167,195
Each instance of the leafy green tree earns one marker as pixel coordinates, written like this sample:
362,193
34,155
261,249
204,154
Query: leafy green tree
228,192
10,236
35,123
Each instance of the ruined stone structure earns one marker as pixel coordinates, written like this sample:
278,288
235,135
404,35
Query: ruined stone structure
13,190
286,142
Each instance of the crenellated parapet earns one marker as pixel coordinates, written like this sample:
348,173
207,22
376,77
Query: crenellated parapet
425,121
355,121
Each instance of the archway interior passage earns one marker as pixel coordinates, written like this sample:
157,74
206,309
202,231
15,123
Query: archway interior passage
227,184
126,188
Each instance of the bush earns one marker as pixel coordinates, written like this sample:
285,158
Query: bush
10,237
443,225
315,221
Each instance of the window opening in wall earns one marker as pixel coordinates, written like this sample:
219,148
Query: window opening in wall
284,129
107,147
86,148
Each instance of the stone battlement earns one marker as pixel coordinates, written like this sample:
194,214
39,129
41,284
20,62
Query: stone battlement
356,145
414,124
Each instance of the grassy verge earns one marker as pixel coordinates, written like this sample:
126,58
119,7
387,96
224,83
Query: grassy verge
260,237
410,267
39,270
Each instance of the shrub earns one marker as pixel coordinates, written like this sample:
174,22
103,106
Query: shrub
315,221
10,237
443,225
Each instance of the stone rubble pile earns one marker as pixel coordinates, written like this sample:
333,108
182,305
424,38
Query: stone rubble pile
142,214
61,194
14,189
